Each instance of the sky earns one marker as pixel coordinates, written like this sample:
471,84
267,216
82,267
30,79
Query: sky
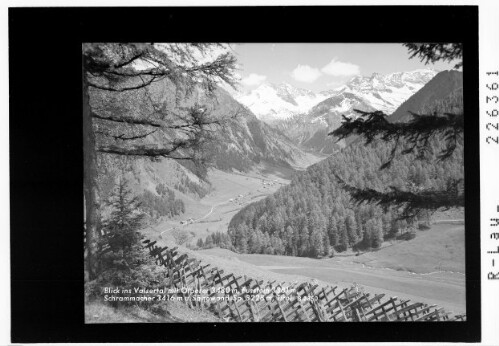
323,66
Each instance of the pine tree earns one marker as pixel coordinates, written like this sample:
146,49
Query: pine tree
367,240
242,238
327,245
351,227
200,243
316,243
343,237
267,245
333,231
255,243
377,234
125,219
304,238
208,243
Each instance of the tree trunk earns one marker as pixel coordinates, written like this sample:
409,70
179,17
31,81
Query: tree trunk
90,187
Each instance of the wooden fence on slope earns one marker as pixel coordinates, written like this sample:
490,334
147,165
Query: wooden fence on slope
250,300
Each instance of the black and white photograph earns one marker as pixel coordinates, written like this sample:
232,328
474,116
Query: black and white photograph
273,182
210,173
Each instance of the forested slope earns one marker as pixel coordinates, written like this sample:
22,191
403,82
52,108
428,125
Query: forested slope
314,213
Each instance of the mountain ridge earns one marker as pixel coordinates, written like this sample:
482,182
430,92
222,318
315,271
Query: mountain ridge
307,117
274,102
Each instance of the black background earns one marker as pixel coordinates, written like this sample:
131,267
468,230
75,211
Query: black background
46,159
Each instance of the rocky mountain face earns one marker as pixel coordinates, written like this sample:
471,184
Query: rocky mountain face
387,92
311,130
307,117
272,103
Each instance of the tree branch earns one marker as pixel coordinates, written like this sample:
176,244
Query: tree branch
128,120
416,132
145,151
433,52
410,202
142,85
195,125
129,61
123,138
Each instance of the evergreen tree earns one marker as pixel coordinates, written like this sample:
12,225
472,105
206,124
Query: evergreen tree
377,234
343,237
304,238
208,243
327,245
290,241
242,238
316,243
367,240
255,242
200,243
351,227
333,231
125,219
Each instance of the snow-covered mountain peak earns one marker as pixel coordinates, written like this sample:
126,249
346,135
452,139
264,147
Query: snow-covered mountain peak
273,102
387,92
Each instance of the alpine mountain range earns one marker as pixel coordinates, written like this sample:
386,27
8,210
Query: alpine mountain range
306,117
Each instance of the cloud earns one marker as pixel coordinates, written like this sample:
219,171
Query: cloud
305,73
339,68
253,79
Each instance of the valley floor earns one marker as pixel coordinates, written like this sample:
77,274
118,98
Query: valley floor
230,192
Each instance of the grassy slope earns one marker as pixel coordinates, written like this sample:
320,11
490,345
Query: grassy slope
384,271
439,249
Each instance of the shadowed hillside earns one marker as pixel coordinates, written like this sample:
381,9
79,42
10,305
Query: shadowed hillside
441,87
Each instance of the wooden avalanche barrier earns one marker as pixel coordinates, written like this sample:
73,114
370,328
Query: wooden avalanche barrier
243,299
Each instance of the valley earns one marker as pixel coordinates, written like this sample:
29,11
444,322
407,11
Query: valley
429,268
230,191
